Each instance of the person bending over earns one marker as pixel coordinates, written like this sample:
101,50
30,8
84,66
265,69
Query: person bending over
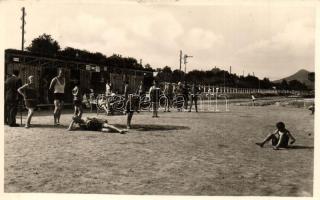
280,138
93,124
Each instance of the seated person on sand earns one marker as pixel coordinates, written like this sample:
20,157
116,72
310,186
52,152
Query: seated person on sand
280,138
311,108
94,124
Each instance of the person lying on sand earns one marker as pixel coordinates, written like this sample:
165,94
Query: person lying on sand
94,124
280,138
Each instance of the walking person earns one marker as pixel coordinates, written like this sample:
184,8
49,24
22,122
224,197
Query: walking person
29,93
12,98
154,97
194,97
58,85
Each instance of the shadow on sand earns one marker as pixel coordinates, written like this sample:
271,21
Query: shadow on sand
48,126
153,127
300,147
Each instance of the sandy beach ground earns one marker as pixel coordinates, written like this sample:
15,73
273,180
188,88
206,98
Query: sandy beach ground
180,153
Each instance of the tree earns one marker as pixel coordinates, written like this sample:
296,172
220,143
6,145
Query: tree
177,75
44,44
284,85
297,85
165,74
148,67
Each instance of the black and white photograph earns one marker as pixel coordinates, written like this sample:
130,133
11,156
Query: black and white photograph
159,98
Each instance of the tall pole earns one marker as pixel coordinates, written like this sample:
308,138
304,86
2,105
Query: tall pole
224,81
180,60
185,62
22,28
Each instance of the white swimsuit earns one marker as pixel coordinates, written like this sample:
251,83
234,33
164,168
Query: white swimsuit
58,87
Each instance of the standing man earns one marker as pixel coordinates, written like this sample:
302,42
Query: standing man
168,91
12,98
194,97
154,97
186,95
58,84
179,91
140,89
126,90
108,95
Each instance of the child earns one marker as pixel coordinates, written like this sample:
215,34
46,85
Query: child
93,124
280,138
77,100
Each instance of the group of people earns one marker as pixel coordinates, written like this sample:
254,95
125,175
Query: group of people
171,91
15,91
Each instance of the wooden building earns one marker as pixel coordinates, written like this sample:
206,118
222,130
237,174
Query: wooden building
91,75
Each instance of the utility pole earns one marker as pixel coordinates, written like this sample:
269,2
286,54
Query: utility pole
224,81
230,69
185,62
22,28
180,60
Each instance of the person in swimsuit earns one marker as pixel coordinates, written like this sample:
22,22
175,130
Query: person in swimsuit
280,138
132,105
29,94
77,100
154,98
311,108
194,96
57,85
168,92
93,124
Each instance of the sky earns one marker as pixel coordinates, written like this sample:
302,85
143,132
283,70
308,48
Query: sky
267,38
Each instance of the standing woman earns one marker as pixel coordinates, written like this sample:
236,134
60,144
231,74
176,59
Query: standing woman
29,94
58,84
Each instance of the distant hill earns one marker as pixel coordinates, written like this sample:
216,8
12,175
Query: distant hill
303,76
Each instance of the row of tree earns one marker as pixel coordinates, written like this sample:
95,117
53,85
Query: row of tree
220,77
46,45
